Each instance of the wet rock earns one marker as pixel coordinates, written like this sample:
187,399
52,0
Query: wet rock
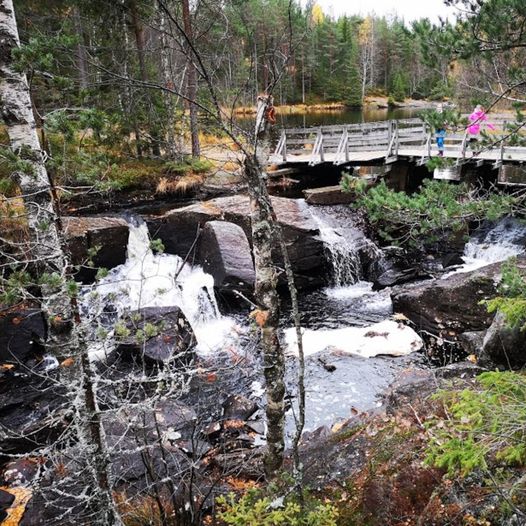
165,336
328,195
257,426
472,341
410,385
162,427
224,252
460,370
451,259
178,230
20,332
237,407
6,499
107,236
20,472
26,403
450,306
503,346
243,463
392,277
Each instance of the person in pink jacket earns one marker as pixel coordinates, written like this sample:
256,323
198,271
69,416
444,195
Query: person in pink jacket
477,120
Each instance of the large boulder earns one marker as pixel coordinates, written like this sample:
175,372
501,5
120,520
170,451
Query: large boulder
106,237
452,305
158,334
225,253
178,230
503,345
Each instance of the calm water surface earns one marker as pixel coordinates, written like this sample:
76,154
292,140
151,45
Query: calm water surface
326,118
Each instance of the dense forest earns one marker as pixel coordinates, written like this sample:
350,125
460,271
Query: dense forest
129,61
195,331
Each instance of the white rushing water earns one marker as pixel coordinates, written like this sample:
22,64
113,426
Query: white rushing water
157,280
343,257
504,240
343,244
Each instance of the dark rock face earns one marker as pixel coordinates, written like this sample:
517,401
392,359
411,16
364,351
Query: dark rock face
166,336
472,341
450,306
503,346
85,233
225,253
167,424
19,333
6,499
238,407
178,230
393,276
328,195
26,401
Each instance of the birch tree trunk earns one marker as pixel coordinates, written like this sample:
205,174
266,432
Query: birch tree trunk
266,295
191,82
33,180
49,258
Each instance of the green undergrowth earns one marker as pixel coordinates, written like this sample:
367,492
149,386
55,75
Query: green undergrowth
483,425
258,507
511,298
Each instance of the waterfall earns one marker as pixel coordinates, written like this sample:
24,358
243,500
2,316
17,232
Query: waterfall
148,279
344,244
494,243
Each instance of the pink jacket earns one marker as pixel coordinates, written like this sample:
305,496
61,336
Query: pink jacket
477,117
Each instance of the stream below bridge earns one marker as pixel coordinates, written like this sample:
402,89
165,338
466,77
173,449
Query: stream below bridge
353,346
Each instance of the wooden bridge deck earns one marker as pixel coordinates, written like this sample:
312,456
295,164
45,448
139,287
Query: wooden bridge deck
387,142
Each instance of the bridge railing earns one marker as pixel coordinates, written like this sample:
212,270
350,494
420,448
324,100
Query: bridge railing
341,140
342,143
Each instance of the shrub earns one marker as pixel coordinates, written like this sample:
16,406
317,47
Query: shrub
255,509
436,212
511,300
485,422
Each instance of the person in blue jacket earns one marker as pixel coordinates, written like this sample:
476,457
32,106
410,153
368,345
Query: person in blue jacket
440,137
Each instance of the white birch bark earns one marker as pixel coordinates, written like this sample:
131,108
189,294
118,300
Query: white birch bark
32,177
45,244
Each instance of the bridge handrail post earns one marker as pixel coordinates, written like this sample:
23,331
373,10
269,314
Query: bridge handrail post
284,148
463,147
429,135
502,142
346,145
322,154
397,137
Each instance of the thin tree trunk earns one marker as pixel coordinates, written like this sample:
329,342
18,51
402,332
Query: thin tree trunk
46,248
140,42
191,82
82,59
128,92
168,82
138,31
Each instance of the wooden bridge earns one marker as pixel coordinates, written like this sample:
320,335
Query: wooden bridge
387,142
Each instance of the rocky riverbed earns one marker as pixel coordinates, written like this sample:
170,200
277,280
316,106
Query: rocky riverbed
360,337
